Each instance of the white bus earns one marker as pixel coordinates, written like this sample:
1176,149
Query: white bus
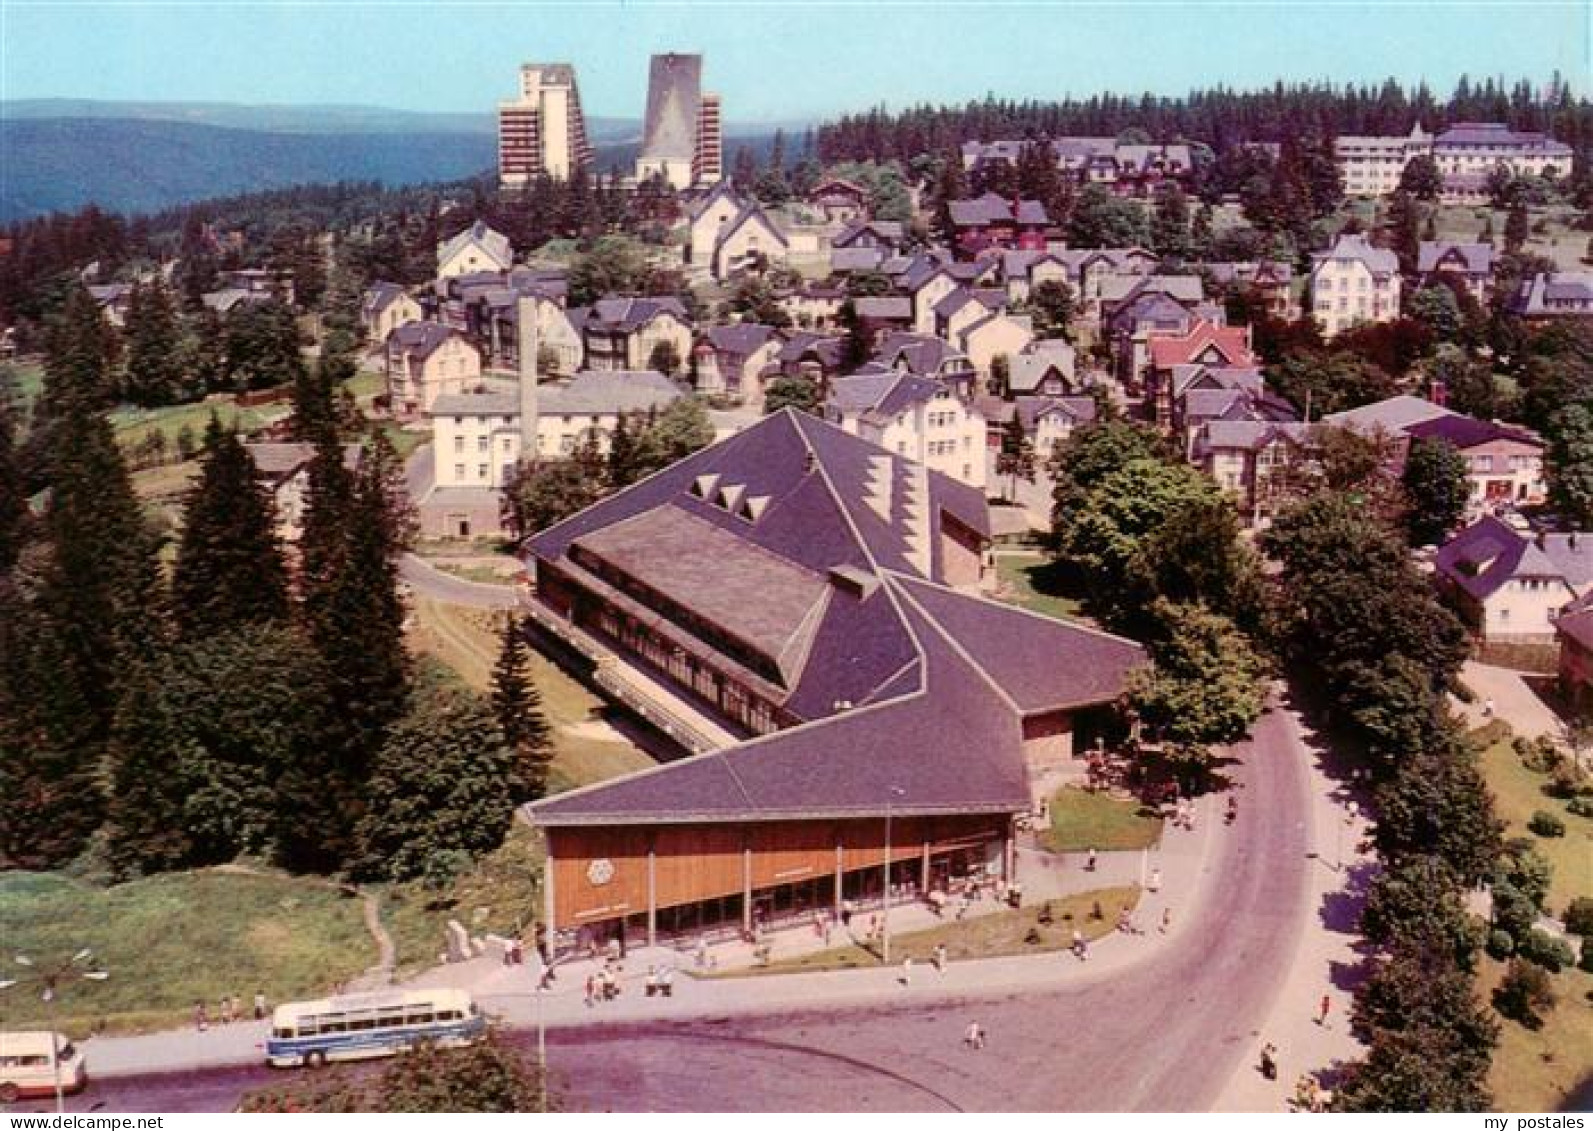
356,1026
28,1063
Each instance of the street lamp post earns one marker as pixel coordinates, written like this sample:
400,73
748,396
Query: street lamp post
891,794
50,979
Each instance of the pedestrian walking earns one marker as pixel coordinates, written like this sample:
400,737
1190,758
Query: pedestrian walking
907,971
846,912
974,1036
224,1010
1089,864
591,990
1322,1010
652,981
259,1005
940,958
1078,944
1269,1062
1155,881
666,981
201,1018
1167,919
1487,708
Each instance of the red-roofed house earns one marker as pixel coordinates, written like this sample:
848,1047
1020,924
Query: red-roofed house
1205,344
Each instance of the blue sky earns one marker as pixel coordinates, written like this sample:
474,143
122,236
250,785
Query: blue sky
770,61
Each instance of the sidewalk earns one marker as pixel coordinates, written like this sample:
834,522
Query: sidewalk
1326,958
1182,857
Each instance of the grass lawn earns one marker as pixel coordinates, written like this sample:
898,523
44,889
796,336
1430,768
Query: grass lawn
365,385
987,936
1518,792
404,442
133,424
1081,820
490,573
585,749
172,939
1537,1070
30,380
165,483
1030,580
1560,241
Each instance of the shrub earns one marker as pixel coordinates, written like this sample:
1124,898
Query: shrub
1500,945
1525,869
1513,912
1568,780
1545,950
1546,824
1540,755
1586,962
1581,806
1524,993
1579,916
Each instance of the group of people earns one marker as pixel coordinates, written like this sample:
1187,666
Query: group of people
602,985
228,1010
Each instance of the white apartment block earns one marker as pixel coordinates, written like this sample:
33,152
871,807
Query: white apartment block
543,129
916,417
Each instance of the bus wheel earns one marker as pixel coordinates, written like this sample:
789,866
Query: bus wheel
9,1093
315,1059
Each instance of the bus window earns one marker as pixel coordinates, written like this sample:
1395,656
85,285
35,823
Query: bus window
282,1034
419,1018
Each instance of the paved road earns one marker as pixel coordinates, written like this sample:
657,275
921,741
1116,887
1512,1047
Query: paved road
429,581
1165,1035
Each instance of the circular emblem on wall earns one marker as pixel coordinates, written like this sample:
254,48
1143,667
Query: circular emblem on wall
600,872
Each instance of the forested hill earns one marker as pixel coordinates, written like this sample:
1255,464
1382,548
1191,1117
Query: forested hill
125,165
1219,117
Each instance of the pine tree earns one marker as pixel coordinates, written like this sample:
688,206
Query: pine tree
152,377
230,569
1170,224
13,488
621,455
77,357
1517,228
354,622
518,706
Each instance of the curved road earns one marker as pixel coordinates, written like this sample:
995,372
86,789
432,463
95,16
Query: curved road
429,581
1165,1035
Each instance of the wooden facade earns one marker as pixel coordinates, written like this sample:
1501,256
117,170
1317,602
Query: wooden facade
602,873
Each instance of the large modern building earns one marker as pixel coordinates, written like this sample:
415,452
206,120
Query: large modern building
682,138
1373,165
800,606
542,130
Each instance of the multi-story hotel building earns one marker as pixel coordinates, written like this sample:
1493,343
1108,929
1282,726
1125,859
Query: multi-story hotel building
542,130
1372,166
682,137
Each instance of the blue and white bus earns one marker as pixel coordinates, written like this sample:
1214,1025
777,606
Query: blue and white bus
356,1026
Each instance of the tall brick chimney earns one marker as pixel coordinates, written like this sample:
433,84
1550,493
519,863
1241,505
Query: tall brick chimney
528,341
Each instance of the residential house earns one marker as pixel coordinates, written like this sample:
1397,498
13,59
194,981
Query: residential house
882,235
991,221
1047,368
1127,168
1574,629
1504,463
813,356
1022,271
1512,585
1135,308
113,300
1467,266
839,201
927,356
731,361
559,342
425,360
1353,282
477,248
1097,273
750,239
284,470
623,333
814,306
384,308
1257,460
1553,295
1271,280
1047,421
916,417
1204,344
997,334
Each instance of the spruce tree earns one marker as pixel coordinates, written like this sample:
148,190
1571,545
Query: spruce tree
518,706
76,358
152,376
621,455
230,569
13,489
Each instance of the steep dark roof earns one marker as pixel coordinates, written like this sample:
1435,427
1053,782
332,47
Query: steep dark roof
422,339
1487,554
740,337
904,682
1467,432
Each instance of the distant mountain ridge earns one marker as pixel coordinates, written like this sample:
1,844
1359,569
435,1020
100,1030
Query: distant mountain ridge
60,154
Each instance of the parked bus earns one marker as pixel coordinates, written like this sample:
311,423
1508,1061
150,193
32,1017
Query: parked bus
356,1026
28,1065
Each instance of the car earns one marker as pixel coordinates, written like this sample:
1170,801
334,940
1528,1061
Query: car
29,1065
